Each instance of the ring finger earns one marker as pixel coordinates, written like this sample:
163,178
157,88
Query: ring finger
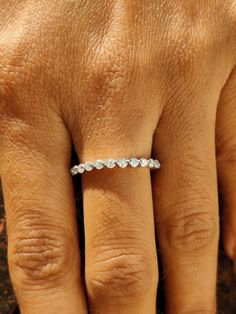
121,263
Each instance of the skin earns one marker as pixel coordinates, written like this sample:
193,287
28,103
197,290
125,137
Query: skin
116,79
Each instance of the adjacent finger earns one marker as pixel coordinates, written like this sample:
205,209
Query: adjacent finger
186,208
226,162
43,249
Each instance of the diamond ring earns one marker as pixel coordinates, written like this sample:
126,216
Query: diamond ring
111,163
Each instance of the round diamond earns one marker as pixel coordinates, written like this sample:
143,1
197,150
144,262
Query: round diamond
157,164
134,162
110,163
151,163
143,162
122,163
89,166
74,170
81,168
99,164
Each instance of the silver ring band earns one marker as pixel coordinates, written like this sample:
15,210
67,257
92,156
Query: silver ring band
99,164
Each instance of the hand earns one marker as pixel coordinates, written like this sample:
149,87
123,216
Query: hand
117,79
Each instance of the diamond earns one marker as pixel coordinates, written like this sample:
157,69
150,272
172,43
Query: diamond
151,163
89,166
81,168
122,163
134,162
99,164
74,170
143,162
157,164
110,163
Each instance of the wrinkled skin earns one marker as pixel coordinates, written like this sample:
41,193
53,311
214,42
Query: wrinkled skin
117,79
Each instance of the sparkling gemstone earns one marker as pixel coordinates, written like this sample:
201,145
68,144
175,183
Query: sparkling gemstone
81,168
134,162
122,163
151,163
143,162
89,166
99,164
74,170
157,164
110,163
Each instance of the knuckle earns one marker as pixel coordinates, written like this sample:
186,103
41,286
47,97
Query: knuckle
21,69
120,273
188,45
16,67
191,228
41,256
111,70
186,54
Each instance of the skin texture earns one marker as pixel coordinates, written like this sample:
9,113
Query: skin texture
117,78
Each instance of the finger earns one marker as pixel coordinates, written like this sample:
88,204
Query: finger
121,262
43,250
121,265
185,199
226,162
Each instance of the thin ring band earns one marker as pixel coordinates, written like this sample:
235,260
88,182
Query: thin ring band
99,164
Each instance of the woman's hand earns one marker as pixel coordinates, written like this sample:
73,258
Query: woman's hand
118,79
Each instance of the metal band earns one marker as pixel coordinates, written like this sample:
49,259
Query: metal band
99,164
